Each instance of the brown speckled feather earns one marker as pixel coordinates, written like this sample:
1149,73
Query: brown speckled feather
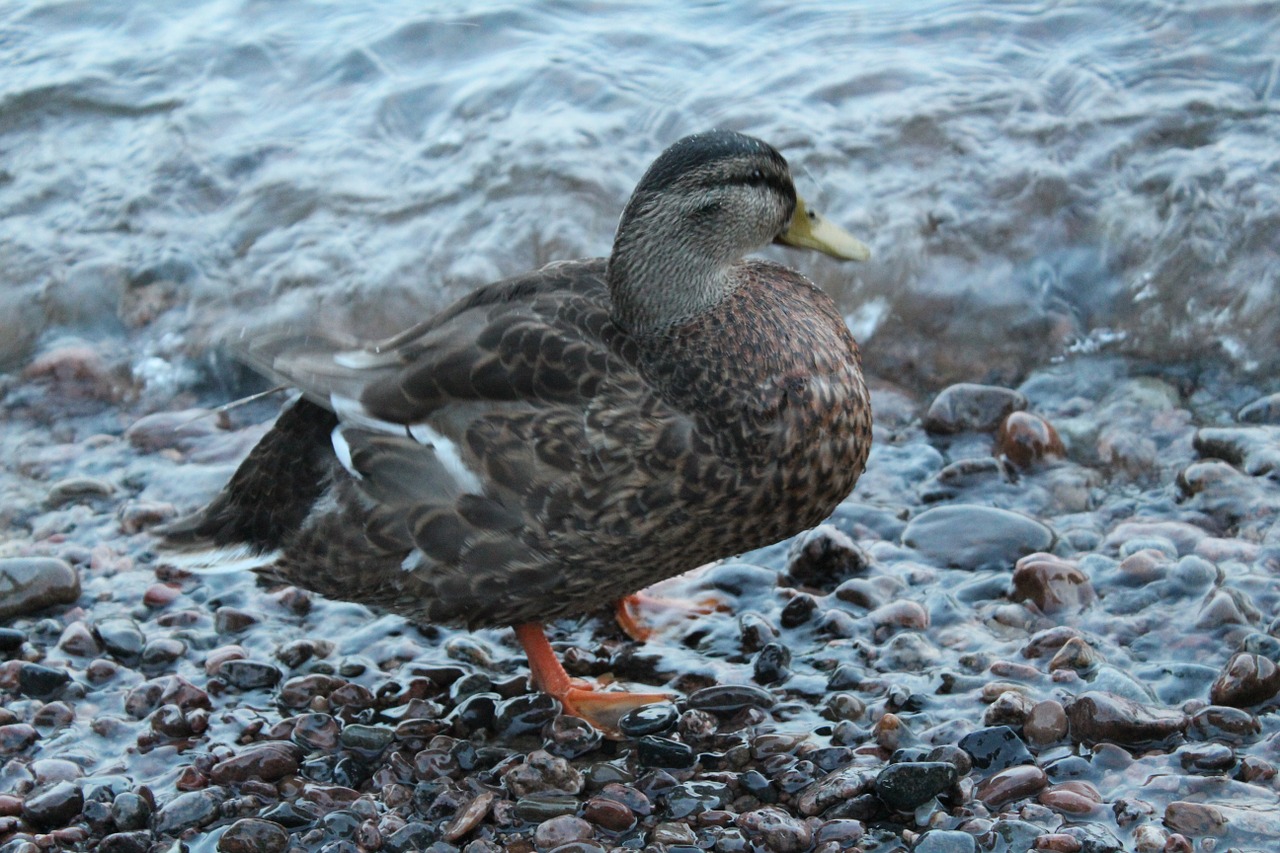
522,456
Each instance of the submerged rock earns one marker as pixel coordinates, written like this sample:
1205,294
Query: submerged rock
30,584
967,536
967,406
1097,717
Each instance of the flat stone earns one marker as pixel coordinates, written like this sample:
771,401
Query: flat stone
1052,584
967,406
253,835
909,784
1098,717
967,536
30,584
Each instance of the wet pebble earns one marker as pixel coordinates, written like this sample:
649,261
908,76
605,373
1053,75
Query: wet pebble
253,835
725,699
1097,717
1013,783
1223,723
1046,724
909,784
772,665
539,807
1052,584
31,584
608,814
469,816
945,841
130,810
655,751
250,674
135,841
122,638
777,829
823,557
1026,439
11,639
542,772
561,830
78,640
967,406
842,785
648,719
267,761
995,748
73,489
192,810
41,682
1246,680
1264,410
54,806
525,714
972,537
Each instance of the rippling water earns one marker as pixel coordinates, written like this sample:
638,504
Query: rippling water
1035,179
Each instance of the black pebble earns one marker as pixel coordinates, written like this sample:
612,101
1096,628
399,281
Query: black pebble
648,720
654,751
40,682
773,664
996,748
906,786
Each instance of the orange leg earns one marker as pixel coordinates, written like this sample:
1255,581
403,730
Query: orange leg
577,697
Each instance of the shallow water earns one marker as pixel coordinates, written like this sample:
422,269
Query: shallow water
1034,178
1079,200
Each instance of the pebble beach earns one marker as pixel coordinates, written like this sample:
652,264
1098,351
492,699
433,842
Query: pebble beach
1048,617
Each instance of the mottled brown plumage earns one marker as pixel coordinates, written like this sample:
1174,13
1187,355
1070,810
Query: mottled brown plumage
561,439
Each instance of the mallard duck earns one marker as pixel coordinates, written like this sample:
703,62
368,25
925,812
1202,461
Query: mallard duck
561,439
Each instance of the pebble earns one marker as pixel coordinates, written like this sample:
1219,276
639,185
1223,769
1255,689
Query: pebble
907,785
995,748
192,810
252,835
31,584
542,772
1027,439
728,699
1046,724
1097,717
73,489
41,682
823,557
1246,680
648,719
1264,410
54,806
122,638
1013,783
973,537
778,830
609,814
945,841
1054,585
267,761
562,829
968,406
655,751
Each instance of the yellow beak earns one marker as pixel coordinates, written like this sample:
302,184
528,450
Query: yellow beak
809,230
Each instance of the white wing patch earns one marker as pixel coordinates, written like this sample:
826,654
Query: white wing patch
447,452
350,412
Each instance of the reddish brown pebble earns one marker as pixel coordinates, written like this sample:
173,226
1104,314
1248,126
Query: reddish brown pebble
609,814
1194,819
1246,680
216,658
161,594
268,761
1027,439
1075,655
1014,783
10,806
1046,724
901,614
1053,584
1075,798
563,829
1059,842
469,816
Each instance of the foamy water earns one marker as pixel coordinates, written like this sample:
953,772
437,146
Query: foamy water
1035,179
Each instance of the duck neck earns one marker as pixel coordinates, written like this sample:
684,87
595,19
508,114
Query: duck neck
658,281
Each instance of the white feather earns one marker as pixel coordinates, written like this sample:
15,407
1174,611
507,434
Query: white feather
447,452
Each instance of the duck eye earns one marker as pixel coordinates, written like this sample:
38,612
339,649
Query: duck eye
811,214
